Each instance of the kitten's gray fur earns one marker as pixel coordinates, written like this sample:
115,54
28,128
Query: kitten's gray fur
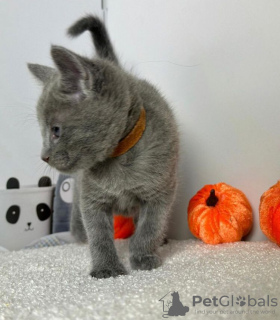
96,103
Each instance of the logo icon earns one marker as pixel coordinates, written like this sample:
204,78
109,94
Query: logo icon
172,305
241,301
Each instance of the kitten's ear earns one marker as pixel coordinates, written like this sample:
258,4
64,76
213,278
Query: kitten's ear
42,73
74,74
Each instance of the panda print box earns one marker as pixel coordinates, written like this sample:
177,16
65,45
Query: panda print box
25,213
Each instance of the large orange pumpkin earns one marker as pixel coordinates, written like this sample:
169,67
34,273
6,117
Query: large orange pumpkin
219,213
269,213
123,227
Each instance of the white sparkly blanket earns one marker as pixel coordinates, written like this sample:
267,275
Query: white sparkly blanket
53,283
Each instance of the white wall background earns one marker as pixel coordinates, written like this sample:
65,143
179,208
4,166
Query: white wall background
216,61
218,64
27,30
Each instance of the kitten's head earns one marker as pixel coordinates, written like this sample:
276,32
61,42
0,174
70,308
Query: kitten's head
82,111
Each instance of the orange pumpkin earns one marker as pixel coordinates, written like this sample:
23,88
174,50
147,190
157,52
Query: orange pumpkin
123,227
219,213
269,213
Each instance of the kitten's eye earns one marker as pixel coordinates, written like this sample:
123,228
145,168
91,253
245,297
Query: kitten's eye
56,132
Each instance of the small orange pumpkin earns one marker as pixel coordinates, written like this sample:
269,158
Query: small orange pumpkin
269,213
123,227
219,213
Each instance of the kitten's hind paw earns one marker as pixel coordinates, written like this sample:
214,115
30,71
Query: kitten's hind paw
102,273
147,262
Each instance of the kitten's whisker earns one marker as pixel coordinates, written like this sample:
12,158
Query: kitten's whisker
45,169
39,167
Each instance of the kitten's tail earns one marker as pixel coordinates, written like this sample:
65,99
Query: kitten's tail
99,35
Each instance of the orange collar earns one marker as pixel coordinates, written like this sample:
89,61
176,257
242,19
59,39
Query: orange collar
133,137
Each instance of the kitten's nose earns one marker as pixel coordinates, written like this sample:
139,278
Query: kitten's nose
46,159
29,224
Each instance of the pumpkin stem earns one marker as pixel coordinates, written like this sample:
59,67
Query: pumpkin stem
212,199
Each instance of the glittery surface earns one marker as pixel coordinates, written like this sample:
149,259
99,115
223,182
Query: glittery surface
53,283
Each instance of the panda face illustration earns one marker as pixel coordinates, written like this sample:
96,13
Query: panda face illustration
27,214
13,214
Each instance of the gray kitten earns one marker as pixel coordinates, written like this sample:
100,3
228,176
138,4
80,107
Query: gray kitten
86,108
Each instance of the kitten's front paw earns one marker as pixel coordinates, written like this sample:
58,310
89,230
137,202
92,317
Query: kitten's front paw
147,262
102,273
